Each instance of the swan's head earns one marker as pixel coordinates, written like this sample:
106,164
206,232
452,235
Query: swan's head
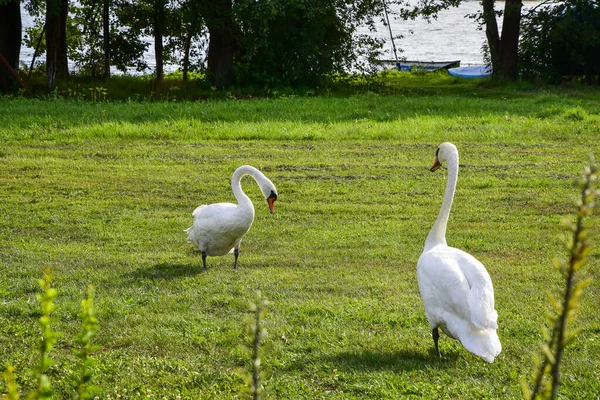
269,191
445,152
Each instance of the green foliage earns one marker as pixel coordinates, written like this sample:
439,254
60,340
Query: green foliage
578,244
301,42
89,326
12,388
257,334
562,41
49,338
126,44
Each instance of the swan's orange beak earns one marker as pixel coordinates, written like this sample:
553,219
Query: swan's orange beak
436,165
271,202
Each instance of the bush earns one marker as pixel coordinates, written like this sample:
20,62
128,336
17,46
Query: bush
298,43
562,42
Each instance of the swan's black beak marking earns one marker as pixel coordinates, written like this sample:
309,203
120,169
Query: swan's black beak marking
271,201
436,165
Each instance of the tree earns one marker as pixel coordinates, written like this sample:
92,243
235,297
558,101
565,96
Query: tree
106,34
218,15
57,67
186,43
158,30
504,48
10,44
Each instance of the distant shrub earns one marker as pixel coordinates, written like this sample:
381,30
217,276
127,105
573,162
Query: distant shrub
575,114
562,42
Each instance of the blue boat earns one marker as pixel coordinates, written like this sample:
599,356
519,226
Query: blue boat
471,72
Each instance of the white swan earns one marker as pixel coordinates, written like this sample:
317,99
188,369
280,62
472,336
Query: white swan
455,288
219,228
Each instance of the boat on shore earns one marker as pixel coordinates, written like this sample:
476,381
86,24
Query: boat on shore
428,66
471,71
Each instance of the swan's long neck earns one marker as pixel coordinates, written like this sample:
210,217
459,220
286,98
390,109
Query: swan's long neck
236,185
437,235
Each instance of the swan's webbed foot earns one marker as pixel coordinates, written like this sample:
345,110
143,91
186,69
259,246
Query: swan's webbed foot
236,253
204,259
436,336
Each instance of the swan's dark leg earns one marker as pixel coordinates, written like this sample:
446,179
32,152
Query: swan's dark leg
436,336
236,253
204,259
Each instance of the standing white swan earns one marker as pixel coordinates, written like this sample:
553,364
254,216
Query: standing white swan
455,288
219,228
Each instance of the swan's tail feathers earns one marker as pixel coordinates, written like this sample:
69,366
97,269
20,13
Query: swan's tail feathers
190,231
484,343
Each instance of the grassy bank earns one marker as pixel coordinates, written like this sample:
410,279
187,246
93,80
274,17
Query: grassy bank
101,193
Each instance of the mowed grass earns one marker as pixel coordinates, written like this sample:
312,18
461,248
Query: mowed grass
101,194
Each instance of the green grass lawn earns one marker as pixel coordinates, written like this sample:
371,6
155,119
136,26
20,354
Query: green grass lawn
101,194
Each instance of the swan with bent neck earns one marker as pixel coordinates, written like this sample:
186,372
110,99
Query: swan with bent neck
455,287
219,228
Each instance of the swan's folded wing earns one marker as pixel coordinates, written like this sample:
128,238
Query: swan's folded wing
481,295
481,307
443,286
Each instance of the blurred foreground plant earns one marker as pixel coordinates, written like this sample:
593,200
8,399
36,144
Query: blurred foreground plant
89,326
257,333
49,338
547,377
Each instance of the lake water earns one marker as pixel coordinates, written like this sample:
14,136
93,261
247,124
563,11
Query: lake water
450,37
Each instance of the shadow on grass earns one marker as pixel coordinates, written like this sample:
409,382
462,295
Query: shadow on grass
405,360
167,271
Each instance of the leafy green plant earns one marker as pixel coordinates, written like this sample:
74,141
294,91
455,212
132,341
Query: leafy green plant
547,377
49,337
257,333
12,388
89,326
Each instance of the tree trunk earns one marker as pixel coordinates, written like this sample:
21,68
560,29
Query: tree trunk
106,28
491,32
186,55
63,63
56,41
10,44
159,24
509,49
504,50
221,47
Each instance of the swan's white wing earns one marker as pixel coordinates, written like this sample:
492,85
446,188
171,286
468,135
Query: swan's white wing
461,284
458,297
444,290
458,283
218,228
481,295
